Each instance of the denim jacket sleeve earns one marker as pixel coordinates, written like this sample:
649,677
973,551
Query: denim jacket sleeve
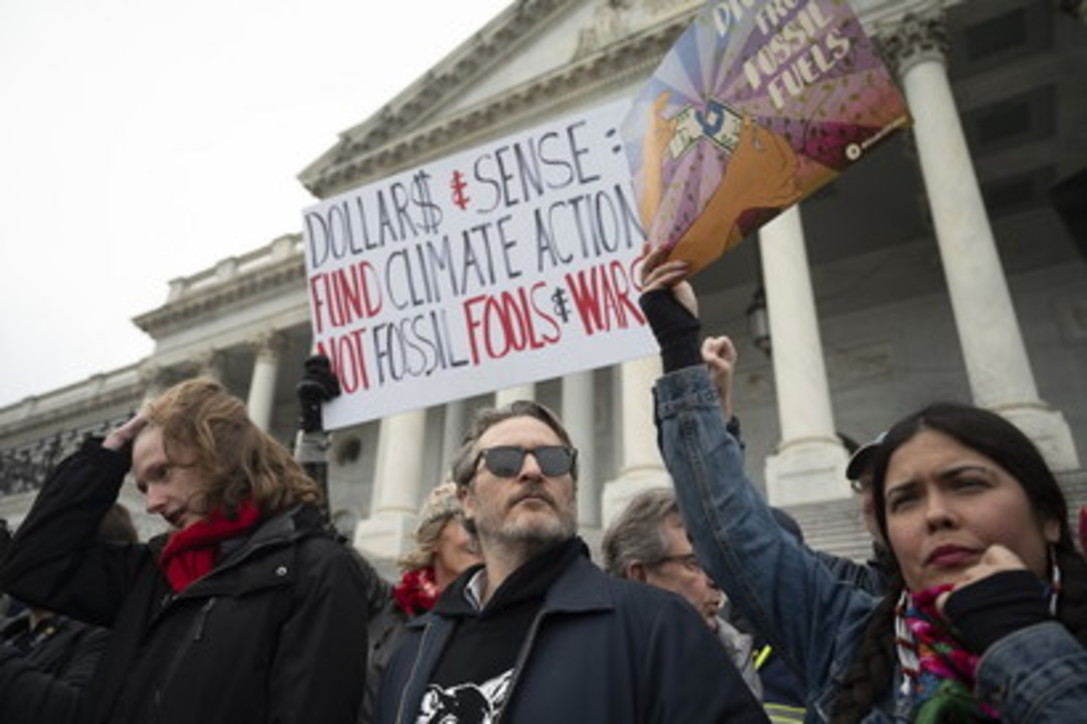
794,600
1037,674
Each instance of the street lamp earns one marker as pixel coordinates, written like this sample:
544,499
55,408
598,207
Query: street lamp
758,321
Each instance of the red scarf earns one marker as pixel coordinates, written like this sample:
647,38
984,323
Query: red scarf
190,553
416,592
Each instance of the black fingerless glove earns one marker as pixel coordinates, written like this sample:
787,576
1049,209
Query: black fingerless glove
676,329
318,384
988,610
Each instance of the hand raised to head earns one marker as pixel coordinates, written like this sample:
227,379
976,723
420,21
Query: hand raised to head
995,559
125,434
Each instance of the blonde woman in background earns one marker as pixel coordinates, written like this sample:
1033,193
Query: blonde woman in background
443,550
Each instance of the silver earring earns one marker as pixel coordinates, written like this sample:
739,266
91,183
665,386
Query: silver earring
1054,580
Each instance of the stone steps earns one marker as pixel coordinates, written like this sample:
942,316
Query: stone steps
834,526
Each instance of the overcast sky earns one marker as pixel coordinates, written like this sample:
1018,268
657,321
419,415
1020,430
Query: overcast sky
142,140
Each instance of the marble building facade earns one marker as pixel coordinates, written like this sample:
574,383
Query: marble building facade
938,268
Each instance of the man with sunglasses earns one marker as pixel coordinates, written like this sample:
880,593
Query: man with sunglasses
537,633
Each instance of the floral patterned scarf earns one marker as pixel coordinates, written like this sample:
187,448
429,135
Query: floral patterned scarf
939,671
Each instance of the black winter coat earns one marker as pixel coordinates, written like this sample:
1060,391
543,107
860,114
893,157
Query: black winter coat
601,649
44,671
275,633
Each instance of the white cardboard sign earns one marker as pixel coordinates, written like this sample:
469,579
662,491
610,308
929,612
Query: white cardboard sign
504,264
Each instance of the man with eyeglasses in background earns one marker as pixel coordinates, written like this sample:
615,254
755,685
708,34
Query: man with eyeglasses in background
648,542
538,633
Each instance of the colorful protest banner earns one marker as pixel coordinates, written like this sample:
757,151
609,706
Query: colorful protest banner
505,264
757,105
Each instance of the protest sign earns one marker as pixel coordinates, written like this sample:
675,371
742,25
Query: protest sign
758,104
505,264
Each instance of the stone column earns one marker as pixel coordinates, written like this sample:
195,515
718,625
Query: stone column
153,380
453,428
996,359
262,386
398,486
577,416
809,463
211,363
512,394
640,465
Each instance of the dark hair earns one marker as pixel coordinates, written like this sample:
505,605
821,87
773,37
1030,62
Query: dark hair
851,446
991,435
463,469
117,527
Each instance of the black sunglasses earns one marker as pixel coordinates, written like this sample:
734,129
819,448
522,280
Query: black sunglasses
506,461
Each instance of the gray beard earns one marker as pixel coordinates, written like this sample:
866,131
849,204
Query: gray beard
526,544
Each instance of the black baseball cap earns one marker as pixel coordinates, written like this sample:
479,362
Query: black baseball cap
862,458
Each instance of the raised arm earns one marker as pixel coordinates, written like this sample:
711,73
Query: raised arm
779,584
55,559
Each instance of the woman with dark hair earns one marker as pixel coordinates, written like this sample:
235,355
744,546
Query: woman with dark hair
985,618
993,515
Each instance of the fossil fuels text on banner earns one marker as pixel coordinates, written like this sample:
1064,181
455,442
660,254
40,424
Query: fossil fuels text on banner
757,105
